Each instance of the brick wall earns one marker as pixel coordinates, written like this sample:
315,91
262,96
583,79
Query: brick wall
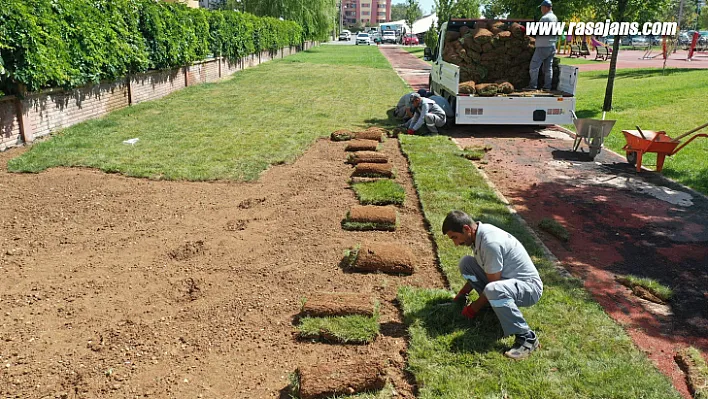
155,85
39,114
49,112
10,134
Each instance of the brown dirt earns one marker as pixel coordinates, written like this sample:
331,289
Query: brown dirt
373,214
375,135
373,170
93,306
362,145
388,258
368,157
324,380
321,304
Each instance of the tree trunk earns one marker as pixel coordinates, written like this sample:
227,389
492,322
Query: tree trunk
607,106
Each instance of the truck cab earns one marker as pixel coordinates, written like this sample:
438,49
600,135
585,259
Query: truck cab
516,108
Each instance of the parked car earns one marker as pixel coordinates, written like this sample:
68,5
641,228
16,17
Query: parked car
388,36
345,35
410,39
639,41
363,38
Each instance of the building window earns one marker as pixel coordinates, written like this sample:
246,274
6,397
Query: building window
365,13
381,5
366,5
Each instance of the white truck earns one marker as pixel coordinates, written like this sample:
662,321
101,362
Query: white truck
507,109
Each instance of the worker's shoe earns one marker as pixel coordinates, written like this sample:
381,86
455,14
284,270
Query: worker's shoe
523,346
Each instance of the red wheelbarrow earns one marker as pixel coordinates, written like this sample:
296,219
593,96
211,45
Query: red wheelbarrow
641,141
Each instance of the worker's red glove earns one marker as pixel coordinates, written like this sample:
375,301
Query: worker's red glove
468,312
411,131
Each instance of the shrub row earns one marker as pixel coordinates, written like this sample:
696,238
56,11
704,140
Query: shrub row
69,43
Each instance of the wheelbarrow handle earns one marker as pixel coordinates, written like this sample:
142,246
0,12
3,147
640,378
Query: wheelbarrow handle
691,131
640,132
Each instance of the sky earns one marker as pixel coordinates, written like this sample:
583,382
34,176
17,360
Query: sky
425,5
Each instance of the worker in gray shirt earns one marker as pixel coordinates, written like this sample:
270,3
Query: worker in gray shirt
404,107
544,52
503,275
427,112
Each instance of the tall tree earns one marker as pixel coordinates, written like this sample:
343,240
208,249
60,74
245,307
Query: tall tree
317,17
413,12
398,11
443,9
625,11
466,9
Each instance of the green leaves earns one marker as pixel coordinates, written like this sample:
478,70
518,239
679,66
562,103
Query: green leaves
71,43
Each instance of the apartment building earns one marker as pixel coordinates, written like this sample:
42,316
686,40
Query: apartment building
366,11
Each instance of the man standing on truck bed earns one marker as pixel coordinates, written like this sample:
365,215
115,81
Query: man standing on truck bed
425,111
544,52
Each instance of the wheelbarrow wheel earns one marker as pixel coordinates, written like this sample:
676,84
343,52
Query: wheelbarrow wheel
595,147
632,157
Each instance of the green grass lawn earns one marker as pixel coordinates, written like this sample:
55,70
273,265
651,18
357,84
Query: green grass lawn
380,192
234,129
354,329
416,51
579,61
674,101
584,353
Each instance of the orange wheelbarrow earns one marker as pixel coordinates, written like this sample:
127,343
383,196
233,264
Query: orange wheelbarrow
641,141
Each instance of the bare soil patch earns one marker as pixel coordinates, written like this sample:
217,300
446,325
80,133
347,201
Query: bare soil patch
92,305
321,304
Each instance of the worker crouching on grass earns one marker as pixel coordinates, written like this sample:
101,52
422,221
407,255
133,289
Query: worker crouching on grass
425,111
503,275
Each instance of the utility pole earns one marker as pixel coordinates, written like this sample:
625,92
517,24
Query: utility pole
341,15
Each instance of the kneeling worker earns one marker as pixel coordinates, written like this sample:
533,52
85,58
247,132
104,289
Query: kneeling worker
404,107
503,275
425,111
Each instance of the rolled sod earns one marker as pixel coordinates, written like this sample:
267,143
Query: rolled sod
342,135
387,258
367,157
370,217
370,135
323,304
373,170
329,379
362,145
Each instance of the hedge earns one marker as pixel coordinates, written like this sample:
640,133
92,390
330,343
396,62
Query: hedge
70,43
